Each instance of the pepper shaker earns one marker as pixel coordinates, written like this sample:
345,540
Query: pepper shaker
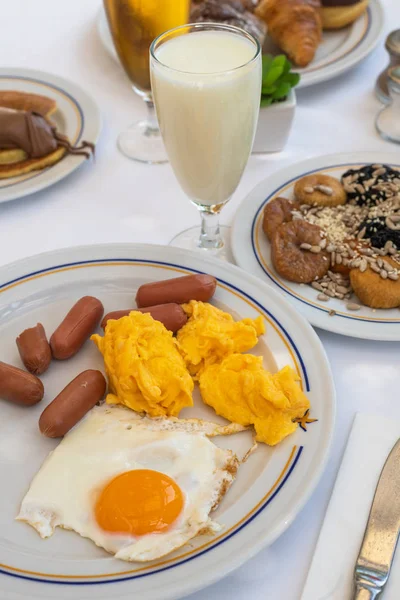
387,121
392,45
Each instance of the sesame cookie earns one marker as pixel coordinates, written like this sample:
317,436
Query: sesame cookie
319,189
379,285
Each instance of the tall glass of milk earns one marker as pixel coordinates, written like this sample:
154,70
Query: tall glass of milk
206,83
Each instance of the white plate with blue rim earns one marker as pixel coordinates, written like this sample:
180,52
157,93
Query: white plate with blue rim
252,250
271,487
339,51
77,116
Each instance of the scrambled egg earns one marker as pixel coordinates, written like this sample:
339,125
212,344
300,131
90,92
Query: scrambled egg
242,391
145,370
210,335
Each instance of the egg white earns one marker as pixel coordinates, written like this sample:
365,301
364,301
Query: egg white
111,440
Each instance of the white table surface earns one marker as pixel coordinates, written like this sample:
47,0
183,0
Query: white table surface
118,200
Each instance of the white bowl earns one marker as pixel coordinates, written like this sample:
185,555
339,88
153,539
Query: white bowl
274,125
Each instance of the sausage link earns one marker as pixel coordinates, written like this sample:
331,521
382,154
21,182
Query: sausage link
76,328
172,316
18,386
75,400
179,290
34,349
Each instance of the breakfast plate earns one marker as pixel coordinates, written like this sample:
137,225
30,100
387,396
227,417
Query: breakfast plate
77,116
252,252
339,51
271,487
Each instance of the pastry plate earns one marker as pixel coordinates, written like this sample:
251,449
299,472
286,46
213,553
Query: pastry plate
251,250
271,488
77,116
339,51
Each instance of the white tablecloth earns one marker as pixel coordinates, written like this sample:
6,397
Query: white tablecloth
120,200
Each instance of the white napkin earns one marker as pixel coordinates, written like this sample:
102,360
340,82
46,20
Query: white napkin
331,572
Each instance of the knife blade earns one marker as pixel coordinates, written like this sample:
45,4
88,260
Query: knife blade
382,532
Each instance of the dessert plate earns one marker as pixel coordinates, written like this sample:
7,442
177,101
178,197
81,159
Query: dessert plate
271,488
77,116
251,250
339,51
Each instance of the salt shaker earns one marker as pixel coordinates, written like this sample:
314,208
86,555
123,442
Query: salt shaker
392,45
387,121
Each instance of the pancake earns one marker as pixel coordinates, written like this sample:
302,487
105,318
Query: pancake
29,102
23,151
14,155
30,164
15,161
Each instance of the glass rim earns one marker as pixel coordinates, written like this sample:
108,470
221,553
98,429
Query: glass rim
205,26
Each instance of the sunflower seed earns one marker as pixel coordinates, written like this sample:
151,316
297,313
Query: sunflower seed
387,266
363,265
361,233
352,306
366,251
375,267
342,290
324,189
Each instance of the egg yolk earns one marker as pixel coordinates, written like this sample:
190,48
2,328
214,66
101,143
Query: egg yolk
139,502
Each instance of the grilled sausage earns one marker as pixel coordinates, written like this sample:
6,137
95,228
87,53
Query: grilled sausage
18,386
76,328
179,290
172,316
34,349
75,400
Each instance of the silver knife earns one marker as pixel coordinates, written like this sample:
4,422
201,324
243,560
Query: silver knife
382,532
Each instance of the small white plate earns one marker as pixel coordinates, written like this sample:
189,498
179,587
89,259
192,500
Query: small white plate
251,250
77,116
339,50
271,487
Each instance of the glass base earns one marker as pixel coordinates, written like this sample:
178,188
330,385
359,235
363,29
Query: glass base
143,143
387,124
189,240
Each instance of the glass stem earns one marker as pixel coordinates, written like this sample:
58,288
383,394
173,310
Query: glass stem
210,236
152,123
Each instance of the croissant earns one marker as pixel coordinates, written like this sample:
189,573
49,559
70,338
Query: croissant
294,25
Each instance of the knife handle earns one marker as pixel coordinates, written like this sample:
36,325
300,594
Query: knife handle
364,591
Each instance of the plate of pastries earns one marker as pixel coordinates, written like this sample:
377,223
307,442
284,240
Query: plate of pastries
326,233
48,127
322,38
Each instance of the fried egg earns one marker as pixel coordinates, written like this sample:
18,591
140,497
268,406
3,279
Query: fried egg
137,487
